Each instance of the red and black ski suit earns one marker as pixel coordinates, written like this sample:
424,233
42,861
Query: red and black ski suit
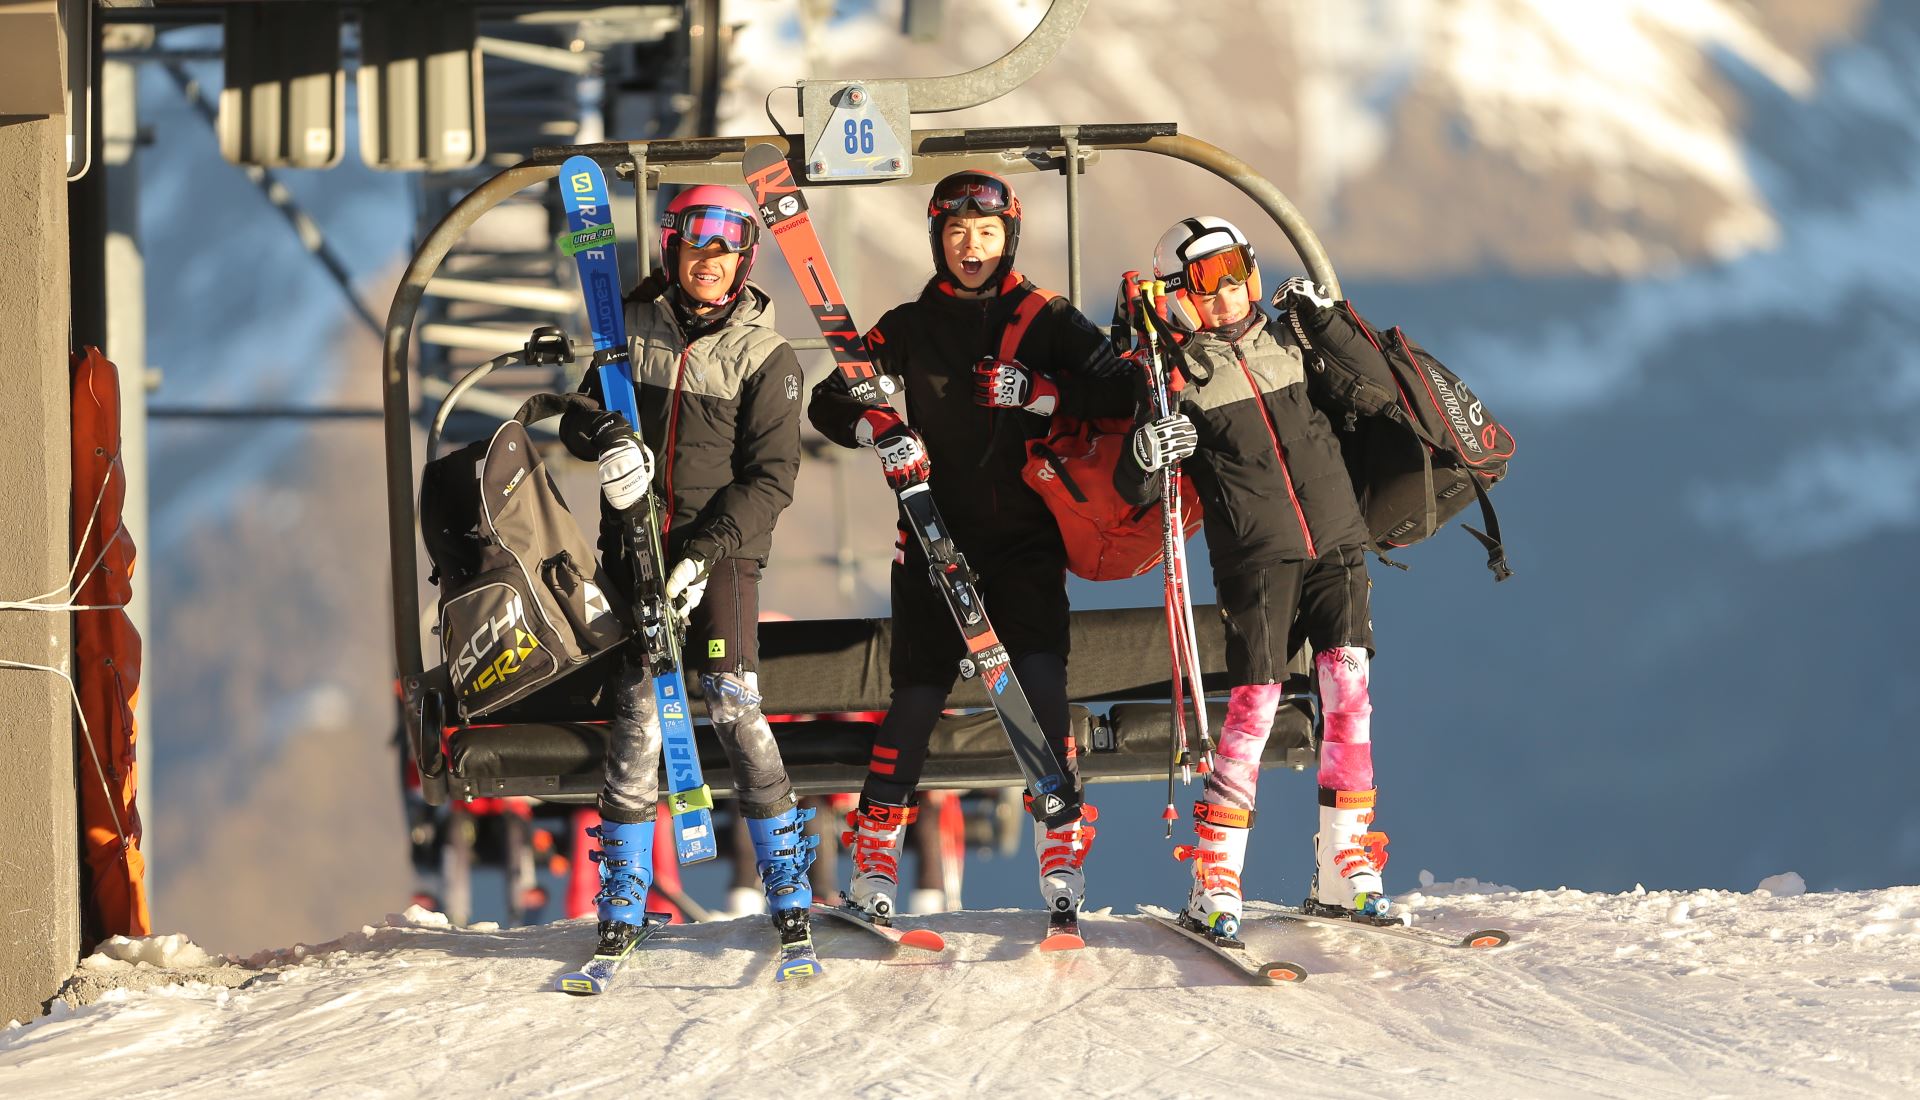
925,351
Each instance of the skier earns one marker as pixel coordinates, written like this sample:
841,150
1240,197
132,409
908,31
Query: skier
1285,536
718,393
972,416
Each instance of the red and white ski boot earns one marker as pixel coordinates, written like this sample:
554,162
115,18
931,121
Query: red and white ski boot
1062,853
1214,905
873,839
1349,858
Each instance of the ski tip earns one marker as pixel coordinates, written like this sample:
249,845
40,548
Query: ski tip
580,985
926,939
798,968
1283,972
1062,941
1486,939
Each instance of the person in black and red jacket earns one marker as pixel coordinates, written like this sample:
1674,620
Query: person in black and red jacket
1286,539
718,391
972,414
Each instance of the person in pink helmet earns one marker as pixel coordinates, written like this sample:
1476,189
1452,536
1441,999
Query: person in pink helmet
718,393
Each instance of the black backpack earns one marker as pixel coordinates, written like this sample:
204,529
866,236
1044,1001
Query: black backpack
1417,442
523,601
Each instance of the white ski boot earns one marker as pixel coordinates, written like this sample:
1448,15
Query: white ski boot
1062,851
874,842
1349,858
1214,905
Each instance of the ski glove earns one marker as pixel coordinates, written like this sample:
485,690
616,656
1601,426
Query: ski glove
626,469
902,454
1164,442
1301,292
686,584
1009,385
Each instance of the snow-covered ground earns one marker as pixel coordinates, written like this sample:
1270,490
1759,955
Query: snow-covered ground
1699,994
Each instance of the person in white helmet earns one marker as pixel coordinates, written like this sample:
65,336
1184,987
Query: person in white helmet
1285,535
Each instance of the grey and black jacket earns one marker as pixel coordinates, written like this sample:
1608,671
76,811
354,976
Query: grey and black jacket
1268,468
720,409
925,351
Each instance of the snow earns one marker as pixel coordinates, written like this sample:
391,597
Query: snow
1710,992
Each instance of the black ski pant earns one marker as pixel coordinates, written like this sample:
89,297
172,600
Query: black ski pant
1025,593
723,650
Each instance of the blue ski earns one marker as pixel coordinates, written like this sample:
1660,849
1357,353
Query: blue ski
797,960
590,241
597,975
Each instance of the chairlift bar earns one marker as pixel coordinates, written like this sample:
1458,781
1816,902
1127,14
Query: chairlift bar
955,146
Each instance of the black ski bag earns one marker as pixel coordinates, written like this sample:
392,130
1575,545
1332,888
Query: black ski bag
1417,442
523,600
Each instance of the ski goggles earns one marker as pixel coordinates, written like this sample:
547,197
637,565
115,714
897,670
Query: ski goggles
986,194
704,226
1208,274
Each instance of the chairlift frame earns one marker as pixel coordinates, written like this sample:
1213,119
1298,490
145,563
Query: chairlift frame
549,744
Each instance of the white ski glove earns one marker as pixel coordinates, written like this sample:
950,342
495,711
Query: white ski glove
626,469
1164,442
1298,290
686,584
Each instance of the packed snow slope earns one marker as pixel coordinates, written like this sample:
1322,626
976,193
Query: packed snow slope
1634,995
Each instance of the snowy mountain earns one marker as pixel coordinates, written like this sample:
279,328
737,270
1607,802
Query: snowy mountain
1672,243
1700,993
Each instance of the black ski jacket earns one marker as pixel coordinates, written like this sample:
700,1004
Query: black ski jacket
719,407
927,349
1268,468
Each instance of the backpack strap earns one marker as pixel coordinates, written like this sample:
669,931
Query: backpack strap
1024,312
541,406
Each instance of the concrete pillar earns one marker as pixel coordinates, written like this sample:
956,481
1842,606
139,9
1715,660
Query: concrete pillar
39,833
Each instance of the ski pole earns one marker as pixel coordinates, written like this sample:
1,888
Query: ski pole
1179,599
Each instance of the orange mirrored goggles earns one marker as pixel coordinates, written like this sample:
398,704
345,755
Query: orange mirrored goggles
1208,274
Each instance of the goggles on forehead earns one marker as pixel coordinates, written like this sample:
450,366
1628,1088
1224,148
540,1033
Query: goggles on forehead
1208,274
984,193
704,226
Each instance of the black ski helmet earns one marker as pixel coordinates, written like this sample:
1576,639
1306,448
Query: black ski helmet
985,193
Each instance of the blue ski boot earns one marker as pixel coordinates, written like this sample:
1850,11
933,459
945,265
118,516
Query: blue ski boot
784,851
625,857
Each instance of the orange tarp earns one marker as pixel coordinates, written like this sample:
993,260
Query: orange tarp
106,661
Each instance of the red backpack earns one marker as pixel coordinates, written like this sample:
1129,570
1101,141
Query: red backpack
1072,469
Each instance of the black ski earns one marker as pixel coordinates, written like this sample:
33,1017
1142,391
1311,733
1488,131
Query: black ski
1063,933
784,210
926,939
1233,952
1479,940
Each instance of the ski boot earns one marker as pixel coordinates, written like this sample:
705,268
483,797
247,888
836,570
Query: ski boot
874,841
1349,858
625,856
1214,905
783,852
1062,851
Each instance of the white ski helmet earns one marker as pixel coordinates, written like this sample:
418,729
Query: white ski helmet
1194,239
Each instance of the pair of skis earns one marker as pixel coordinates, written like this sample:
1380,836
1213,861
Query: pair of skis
1141,301
597,976
783,208
590,241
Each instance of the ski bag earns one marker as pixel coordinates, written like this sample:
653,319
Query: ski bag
523,600
1419,445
